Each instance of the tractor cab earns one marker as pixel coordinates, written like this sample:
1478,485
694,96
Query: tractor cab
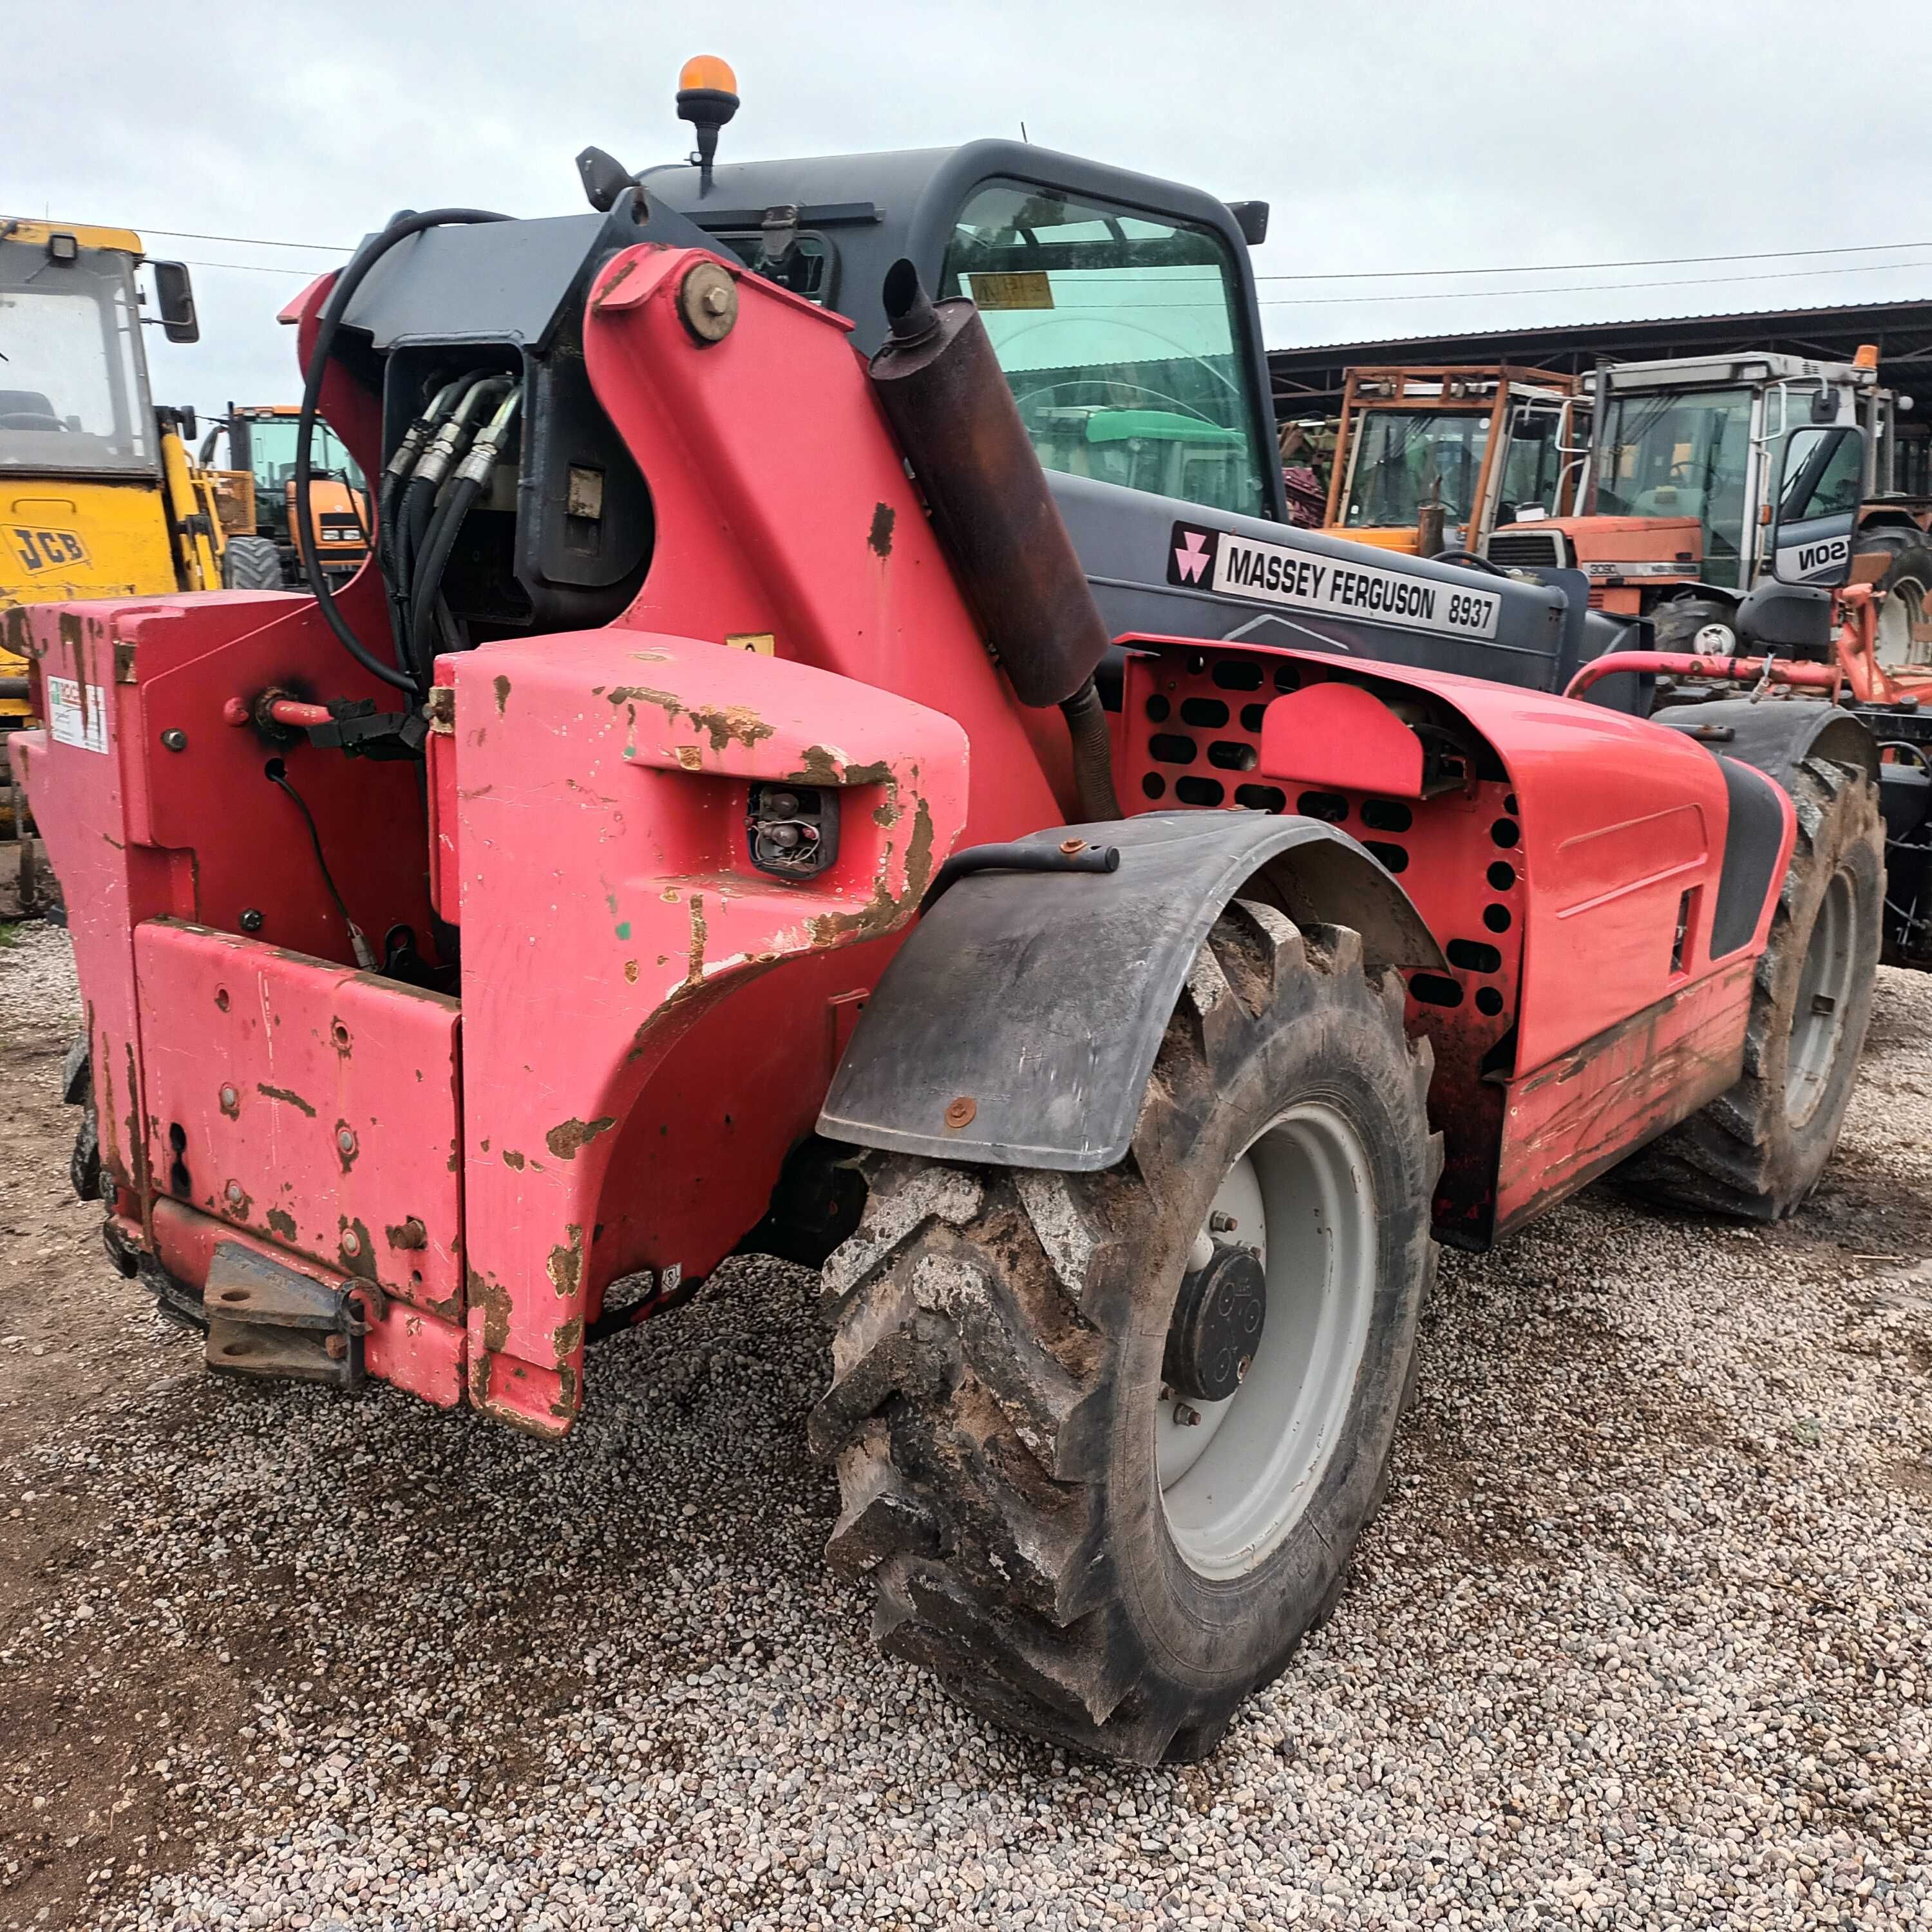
1679,510
262,443
81,449
1122,308
1430,459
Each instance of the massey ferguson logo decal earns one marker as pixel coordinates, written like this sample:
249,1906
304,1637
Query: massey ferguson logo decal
1306,580
1192,554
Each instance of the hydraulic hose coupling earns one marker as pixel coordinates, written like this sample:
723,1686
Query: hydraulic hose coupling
436,460
417,432
476,466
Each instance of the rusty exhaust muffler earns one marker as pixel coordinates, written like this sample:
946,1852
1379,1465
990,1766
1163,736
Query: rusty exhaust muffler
946,398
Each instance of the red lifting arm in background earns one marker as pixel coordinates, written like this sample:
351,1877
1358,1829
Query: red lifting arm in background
1684,663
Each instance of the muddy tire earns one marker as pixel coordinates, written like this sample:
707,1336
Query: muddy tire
1757,1150
77,1090
1042,1525
250,563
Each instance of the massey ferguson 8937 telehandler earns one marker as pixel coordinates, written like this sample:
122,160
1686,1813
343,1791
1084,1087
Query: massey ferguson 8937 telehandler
722,818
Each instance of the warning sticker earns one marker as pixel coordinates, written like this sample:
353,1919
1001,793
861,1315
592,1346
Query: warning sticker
1025,288
1271,573
77,714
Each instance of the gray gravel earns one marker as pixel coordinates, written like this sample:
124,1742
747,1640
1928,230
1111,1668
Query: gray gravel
1644,1638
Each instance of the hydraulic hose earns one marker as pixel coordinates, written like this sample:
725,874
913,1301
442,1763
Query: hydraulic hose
472,478
395,480
449,424
351,278
1092,754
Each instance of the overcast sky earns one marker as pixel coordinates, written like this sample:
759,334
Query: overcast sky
1388,135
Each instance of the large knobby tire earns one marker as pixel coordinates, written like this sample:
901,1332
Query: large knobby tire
1757,1150
250,563
1077,1553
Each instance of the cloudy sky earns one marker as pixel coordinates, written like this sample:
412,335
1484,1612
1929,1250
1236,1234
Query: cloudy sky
1389,136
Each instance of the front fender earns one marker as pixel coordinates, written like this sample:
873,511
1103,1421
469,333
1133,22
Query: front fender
1041,997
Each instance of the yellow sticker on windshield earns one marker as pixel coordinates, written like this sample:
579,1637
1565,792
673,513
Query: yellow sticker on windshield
1026,288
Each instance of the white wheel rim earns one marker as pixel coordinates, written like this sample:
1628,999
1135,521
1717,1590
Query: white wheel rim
1818,1015
1235,1481
1897,613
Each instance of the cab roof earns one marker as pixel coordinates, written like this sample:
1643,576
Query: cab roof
42,233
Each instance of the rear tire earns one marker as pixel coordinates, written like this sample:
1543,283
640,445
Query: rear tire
250,563
1907,589
1017,1480
1758,1150
1706,625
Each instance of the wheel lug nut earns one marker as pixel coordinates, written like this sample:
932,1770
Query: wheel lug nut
1187,1415
1242,1367
1219,1223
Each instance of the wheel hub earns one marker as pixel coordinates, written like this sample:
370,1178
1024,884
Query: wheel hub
1217,1325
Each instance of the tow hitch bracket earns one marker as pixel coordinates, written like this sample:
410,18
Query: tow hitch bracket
274,1323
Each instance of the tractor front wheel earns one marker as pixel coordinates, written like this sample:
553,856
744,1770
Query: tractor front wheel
1758,1150
1106,1442
250,563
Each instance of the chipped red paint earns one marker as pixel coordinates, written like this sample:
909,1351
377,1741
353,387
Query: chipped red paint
416,1350
314,1052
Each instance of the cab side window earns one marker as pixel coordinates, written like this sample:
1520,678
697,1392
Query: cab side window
1120,332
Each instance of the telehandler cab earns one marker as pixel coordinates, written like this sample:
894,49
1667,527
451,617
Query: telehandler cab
730,814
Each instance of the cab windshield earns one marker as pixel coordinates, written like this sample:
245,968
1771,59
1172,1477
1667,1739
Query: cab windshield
1404,456
1121,334
271,451
1534,462
72,394
1687,454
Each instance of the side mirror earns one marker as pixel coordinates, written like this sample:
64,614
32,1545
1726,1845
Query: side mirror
175,294
1820,483
604,178
1251,217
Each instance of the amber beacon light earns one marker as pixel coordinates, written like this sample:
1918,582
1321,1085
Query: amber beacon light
707,97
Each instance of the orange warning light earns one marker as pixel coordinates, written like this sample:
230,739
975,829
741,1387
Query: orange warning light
706,71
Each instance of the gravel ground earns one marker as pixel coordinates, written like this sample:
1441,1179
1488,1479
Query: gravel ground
1644,1638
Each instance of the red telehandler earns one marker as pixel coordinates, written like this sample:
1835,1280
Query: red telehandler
720,818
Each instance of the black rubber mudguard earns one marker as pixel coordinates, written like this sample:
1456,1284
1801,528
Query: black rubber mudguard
1776,735
1018,1024
1757,740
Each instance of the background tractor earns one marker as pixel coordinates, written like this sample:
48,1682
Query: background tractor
748,803
1678,506
261,440
1427,459
98,496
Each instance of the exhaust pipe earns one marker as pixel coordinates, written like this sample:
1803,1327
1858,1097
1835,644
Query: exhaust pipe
946,398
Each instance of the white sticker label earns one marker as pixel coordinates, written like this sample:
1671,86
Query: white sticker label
1238,566
77,714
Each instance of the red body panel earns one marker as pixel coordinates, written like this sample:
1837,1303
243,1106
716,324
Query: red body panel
1555,886
610,909
313,1106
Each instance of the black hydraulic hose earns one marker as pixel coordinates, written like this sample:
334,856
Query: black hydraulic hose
346,283
1093,753
472,478
385,556
428,584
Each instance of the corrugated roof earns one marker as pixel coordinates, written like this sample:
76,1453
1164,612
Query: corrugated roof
1918,308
